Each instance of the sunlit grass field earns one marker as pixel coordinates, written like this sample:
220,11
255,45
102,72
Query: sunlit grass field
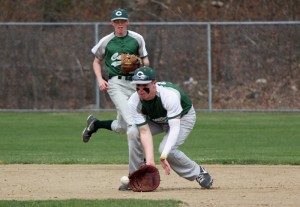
222,138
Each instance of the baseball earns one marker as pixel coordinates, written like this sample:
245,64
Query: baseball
125,180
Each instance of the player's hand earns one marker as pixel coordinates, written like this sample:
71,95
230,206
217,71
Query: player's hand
103,85
165,164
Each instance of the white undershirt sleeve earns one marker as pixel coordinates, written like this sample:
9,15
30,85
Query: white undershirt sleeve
172,137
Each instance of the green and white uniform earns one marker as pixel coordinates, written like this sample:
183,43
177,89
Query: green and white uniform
162,108
169,103
109,49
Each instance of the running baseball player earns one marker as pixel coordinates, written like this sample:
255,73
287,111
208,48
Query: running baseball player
122,51
158,107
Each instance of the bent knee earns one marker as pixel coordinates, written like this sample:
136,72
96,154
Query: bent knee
117,127
132,132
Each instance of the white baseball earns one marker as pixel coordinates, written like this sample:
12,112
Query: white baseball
124,180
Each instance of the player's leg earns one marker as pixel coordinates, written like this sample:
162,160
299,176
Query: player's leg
119,93
93,124
179,161
124,123
136,151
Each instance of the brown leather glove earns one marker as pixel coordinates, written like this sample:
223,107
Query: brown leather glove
130,63
145,179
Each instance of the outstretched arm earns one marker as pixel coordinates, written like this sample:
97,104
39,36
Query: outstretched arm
147,142
171,141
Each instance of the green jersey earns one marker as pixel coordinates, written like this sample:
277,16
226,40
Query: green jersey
111,47
170,102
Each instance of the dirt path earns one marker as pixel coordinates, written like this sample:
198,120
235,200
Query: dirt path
234,185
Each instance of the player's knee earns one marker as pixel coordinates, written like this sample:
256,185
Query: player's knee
132,132
171,153
117,127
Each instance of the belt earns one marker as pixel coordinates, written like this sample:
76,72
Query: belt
124,77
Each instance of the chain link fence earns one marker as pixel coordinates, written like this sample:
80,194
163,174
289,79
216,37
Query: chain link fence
222,66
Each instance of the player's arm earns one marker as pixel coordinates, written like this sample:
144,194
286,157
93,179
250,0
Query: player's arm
143,127
97,70
171,101
143,51
174,125
146,61
147,142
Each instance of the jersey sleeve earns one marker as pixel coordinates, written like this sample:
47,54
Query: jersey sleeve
135,110
171,101
142,45
99,49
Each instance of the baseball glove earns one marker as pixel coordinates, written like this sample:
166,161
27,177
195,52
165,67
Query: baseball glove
130,63
145,179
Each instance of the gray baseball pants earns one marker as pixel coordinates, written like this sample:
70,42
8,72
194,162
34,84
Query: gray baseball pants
119,91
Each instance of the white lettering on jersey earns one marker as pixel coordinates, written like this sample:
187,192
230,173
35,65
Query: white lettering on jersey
116,58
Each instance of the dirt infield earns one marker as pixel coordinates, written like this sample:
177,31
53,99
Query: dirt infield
234,185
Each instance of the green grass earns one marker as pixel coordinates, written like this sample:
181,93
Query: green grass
217,138
56,138
246,138
224,138
93,203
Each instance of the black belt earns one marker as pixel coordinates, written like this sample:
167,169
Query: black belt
126,77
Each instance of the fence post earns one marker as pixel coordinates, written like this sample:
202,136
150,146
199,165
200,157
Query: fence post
209,66
97,95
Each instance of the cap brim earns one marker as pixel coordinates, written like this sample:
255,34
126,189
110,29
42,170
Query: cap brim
141,82
119,18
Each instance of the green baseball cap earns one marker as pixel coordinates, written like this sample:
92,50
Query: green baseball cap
143,75
119,14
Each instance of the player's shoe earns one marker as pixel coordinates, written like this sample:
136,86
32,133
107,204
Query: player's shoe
124,187
90,128
204,179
